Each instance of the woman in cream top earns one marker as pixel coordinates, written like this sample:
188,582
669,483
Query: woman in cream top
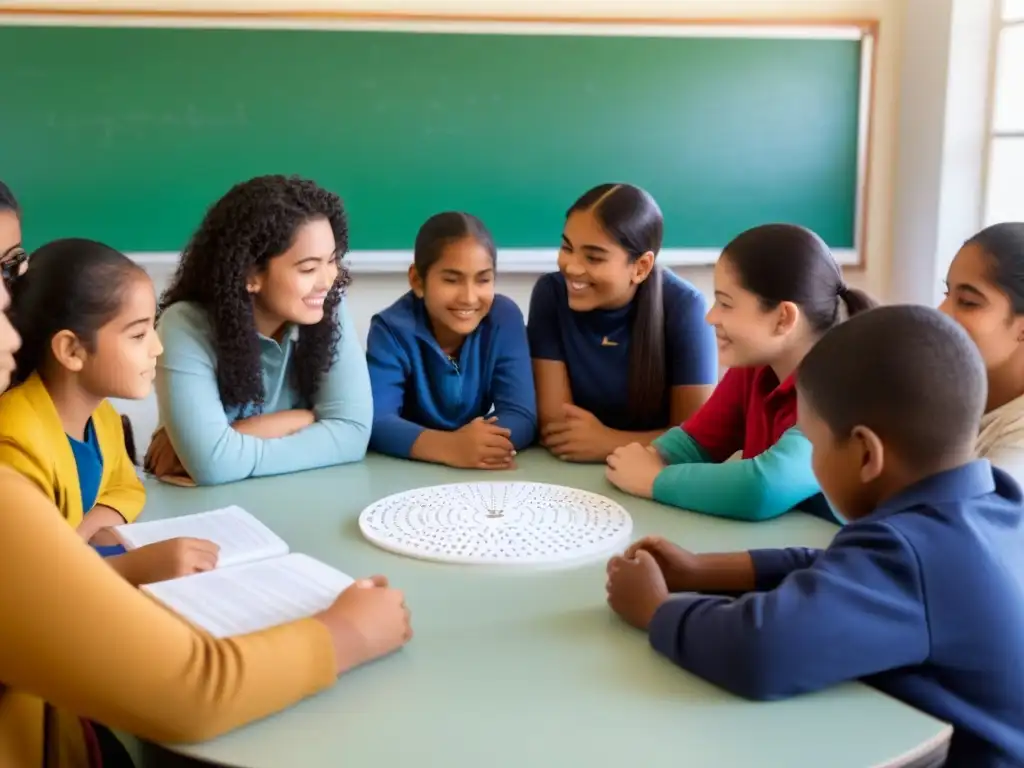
985,294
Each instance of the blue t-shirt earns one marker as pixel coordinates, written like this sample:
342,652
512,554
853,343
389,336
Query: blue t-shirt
416,386
595,347
89,461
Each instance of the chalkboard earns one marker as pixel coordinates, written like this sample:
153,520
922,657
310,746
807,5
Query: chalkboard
128,134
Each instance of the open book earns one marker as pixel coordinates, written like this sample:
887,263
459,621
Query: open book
257,583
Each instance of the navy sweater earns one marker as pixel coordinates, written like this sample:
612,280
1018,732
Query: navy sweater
923,599
416,387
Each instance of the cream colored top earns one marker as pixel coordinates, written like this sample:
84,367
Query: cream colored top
1001,439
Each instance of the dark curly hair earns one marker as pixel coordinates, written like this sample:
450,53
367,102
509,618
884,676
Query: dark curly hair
254,222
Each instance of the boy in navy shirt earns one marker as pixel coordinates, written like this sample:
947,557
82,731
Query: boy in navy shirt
921,593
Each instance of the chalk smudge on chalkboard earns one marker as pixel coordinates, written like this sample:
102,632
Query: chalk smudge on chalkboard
189,119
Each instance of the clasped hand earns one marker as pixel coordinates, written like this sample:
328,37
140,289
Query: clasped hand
482,444
633,468
642,578
577,436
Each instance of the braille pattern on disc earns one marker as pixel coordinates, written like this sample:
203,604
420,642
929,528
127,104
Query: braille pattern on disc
498,524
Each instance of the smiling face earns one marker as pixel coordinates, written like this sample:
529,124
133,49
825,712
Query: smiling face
121,360
747,333
598,271
457,290
981,307
293,286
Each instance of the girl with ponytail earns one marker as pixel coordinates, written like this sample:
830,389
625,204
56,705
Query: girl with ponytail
620,348
777,291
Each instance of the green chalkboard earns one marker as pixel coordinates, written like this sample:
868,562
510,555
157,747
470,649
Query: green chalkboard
128,134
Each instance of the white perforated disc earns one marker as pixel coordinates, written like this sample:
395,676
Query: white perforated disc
532,524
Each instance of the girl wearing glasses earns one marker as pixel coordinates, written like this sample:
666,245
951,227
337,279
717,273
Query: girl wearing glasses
13,258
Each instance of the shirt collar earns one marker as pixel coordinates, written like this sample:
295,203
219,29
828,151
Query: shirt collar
967,481
290,336
768,385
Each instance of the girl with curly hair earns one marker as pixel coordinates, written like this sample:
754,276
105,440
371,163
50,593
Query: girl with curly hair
262,373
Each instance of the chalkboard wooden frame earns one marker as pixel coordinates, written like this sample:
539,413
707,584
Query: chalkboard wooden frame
522,261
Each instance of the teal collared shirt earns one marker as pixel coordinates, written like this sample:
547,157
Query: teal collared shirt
199,426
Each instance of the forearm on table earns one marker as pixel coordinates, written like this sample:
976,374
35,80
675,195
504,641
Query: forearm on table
432,445
724,573
128,567
271,425
759,488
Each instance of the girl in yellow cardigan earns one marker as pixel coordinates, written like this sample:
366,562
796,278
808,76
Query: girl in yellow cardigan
168,681
86,314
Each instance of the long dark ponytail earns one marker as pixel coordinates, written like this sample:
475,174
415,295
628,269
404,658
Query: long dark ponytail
785,262
633,219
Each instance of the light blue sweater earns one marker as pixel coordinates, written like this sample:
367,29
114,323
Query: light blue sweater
199,426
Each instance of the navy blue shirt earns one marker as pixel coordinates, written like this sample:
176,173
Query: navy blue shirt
595,347
923,599
416,386
89,462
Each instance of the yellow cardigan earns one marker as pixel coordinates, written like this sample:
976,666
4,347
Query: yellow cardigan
135,666
33,441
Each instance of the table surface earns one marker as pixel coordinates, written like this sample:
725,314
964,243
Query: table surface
529,667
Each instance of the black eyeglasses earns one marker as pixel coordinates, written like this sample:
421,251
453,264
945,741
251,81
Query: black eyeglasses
10,263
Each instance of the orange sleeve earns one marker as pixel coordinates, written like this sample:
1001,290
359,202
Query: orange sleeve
75,634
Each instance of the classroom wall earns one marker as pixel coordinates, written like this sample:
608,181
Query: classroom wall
371,292
924,173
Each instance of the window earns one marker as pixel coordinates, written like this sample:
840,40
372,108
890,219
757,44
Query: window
1004,195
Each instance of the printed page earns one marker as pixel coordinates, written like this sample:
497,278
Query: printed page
241,537
252,597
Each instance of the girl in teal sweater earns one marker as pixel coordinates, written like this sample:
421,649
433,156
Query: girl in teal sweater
777,290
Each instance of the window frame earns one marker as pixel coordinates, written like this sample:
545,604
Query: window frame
992,134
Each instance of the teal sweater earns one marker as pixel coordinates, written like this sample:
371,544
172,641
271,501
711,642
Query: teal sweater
199,425
760,488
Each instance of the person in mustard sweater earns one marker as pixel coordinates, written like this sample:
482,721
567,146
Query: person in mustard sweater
86,315
168,682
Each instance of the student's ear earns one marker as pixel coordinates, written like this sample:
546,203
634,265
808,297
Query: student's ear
642,267
254,282
1018,328
788,315
68,351
415,281
872,453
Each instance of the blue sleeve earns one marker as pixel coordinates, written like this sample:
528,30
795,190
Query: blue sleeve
213,452
389,374
771,566
542,326
693,351
754,489
515,401
858,610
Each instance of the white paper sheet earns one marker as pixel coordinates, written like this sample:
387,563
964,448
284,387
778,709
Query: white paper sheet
241,537
248,598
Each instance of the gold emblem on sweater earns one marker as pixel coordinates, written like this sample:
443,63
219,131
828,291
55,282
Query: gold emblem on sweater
606,342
